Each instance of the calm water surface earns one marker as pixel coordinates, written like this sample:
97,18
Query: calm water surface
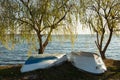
82,43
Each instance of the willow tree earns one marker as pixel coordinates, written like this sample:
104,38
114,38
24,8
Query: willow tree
103,17
40,17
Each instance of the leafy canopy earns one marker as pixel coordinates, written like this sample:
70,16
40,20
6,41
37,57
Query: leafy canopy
28,17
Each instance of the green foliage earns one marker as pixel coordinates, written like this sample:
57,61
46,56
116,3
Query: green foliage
102,16
41,17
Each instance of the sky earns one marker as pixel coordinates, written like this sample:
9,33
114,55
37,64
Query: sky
81,30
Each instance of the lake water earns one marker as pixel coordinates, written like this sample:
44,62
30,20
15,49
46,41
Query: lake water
82,43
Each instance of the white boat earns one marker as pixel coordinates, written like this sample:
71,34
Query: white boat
42,61
89,62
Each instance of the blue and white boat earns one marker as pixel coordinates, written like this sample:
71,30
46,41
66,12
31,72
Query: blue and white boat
42,61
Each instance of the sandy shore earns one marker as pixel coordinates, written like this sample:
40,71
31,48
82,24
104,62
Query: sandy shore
62,72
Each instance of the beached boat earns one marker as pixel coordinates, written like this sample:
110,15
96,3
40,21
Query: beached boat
89,62
42,61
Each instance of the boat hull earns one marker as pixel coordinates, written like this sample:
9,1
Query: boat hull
43,61
89,62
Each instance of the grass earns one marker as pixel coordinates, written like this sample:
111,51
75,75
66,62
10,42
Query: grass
65,71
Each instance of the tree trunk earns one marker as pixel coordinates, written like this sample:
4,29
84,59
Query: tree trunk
108,42
106,45
99,45
42,45
40,51
102,53
41,48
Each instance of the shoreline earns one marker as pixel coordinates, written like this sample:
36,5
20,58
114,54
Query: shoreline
65,71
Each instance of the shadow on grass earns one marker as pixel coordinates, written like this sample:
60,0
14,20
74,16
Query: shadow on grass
110,76
65,71
116,63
